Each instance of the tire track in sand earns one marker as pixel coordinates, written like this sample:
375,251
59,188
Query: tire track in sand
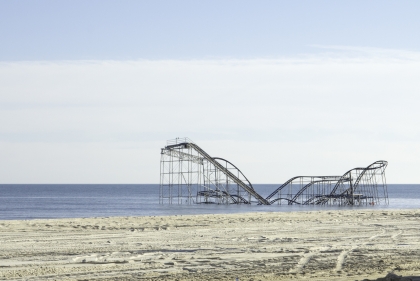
343,255
306,259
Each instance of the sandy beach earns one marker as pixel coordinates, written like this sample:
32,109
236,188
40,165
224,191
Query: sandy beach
314,245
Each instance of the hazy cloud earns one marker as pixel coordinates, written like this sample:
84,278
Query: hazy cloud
105,121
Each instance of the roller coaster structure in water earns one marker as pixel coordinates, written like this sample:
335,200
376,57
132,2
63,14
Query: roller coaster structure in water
189,175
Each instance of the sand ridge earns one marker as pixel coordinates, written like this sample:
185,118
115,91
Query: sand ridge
313,245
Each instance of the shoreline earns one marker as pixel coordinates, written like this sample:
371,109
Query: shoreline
280,210
303,245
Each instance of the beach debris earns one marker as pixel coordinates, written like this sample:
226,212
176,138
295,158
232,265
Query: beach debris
393,277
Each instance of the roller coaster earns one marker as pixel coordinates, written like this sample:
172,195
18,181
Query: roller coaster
188,175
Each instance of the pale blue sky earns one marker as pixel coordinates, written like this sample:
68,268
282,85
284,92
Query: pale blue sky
69,30
91,90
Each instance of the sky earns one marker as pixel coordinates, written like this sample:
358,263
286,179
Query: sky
91,90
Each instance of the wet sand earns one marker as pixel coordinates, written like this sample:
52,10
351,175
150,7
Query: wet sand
316,245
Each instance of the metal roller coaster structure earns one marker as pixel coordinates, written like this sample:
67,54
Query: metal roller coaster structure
189,175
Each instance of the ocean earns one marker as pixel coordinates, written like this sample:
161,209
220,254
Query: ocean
33,201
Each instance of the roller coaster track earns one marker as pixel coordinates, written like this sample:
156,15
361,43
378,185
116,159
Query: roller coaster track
214,177
381,164
221,159
229,174
320,179
339,180
290,201
281,187
220,193
303,190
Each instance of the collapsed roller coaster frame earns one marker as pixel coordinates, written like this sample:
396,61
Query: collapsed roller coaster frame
189,175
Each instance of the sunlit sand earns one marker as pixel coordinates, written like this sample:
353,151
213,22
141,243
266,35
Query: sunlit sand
316,245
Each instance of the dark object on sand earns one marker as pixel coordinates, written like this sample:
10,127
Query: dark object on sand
394,277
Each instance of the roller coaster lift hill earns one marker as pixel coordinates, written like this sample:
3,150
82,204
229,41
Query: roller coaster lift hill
188,175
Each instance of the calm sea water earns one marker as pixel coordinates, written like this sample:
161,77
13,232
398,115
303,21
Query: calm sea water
79,200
